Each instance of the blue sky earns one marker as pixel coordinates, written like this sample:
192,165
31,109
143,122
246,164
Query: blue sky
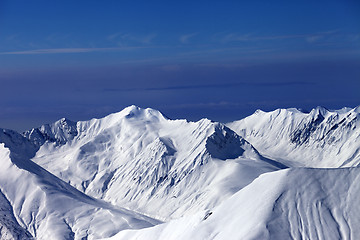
189,59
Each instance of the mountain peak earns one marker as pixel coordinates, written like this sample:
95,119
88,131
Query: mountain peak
323,134
136,112
319,110
58,132
224,143
131,108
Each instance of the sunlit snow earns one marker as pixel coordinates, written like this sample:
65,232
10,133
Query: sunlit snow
136,174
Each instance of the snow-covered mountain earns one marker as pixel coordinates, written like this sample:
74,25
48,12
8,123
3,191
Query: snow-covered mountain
294,203
59,132
321,138
131,170
36,204
139,159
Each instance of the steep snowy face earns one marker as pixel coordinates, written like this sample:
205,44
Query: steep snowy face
321,138
9,226
289,204
224,143
35,203
139,159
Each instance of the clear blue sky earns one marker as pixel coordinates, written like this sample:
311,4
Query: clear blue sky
189,59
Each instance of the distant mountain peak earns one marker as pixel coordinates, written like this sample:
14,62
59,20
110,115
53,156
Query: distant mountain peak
58,132
314,139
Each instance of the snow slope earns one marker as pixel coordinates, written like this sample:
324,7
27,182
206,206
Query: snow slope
321,138
35,203
294,203
139,159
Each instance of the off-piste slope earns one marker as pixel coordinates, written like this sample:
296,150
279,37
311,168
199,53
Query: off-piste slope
140,159
294,203
36,204
321,138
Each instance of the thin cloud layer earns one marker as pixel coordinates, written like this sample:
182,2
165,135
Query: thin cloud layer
69,50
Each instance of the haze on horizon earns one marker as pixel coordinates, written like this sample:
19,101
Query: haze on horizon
216,59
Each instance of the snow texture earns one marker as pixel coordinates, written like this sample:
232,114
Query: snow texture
288,204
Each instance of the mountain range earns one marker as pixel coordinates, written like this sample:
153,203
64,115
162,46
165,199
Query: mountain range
136,174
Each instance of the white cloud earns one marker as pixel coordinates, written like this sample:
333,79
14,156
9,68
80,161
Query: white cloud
314,38
251,37
147,39
68,50
185,38
112,37
123,38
